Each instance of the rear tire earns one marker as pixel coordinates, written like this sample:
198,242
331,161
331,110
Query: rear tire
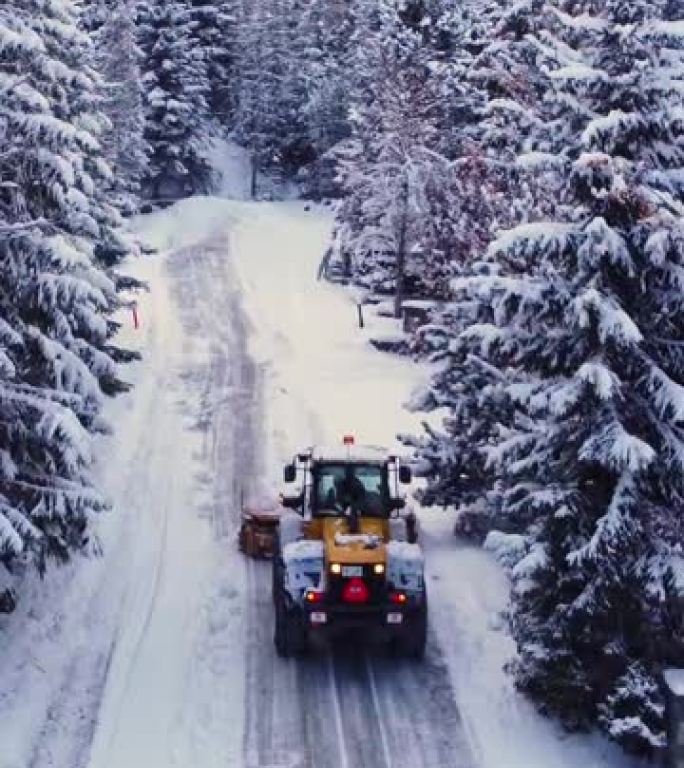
290,633
412,644
277,573
242,539
280,637
278,570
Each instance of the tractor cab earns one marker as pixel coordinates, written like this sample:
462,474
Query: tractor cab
360,488
363,481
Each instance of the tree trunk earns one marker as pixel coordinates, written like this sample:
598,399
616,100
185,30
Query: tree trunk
255,174
401,251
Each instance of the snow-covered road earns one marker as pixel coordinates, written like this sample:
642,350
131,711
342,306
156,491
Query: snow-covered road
169,700
159,654
337,710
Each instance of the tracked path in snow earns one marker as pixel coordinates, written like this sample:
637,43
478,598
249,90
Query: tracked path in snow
347,707
340,709
171,697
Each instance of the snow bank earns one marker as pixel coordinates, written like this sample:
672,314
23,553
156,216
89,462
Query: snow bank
323,378
468,593
674,679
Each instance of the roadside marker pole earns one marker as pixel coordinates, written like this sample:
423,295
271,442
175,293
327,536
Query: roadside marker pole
136,319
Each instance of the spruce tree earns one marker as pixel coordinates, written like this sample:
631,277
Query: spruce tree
176,89
495,85
117,58
273,74
55,358
396,182
214,34
579,316
324,30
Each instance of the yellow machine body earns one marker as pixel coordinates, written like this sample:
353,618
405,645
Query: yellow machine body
353,549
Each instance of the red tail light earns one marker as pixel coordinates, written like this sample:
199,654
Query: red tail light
398,598
313,597
355,591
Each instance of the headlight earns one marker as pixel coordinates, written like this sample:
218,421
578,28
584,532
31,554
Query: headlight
379,569
336,568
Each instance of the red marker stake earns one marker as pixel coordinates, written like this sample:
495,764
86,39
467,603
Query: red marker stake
136,320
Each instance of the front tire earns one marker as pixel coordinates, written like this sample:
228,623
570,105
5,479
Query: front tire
276,573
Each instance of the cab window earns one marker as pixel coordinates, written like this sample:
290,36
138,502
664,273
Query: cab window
339,486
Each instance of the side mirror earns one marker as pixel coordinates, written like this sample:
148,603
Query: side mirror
290,473
292,502
404,474
397,504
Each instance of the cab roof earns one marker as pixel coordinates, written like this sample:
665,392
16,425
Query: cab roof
355,454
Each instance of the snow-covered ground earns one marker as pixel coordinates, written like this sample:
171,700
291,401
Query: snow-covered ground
158,654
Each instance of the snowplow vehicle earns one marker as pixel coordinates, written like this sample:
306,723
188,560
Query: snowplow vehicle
346,560
259,529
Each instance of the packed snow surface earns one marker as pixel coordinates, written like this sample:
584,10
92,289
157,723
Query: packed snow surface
159,653
367,540
403,550
303,550
674,678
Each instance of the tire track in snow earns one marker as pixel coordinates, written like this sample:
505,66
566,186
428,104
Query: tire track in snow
71,723
358,708
381,721
177,706
229,421
158,492
352,706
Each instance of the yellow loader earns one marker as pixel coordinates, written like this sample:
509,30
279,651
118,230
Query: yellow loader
346,558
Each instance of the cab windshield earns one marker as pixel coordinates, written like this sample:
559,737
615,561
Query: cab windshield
363,487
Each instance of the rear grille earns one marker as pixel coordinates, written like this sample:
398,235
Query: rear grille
376,584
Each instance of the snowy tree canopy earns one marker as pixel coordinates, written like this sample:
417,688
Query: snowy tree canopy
564,379
55,224
117,58
176,91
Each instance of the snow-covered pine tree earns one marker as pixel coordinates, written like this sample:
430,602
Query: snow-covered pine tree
214,34
293,72
259,68
495,95
94,13
587,316
82,106
324,30
117,58
274,72
55,362
176,89
396,182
